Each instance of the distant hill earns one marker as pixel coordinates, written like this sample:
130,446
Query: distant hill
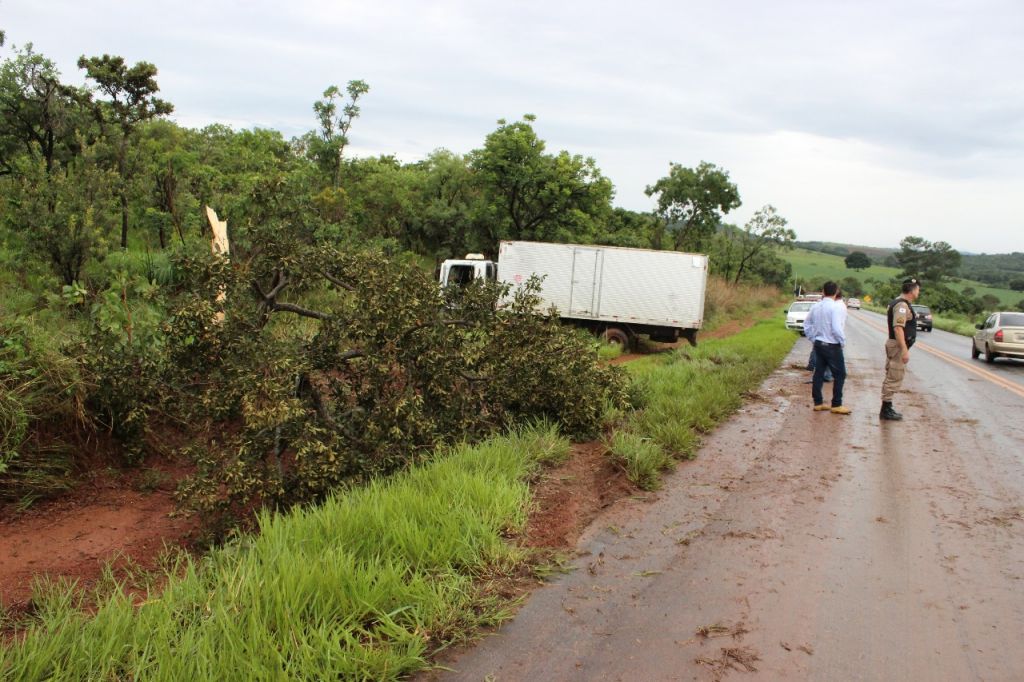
996,270
813,268
875,253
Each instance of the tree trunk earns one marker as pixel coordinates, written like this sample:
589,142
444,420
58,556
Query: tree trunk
124,219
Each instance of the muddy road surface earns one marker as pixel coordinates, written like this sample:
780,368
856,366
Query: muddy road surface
806,546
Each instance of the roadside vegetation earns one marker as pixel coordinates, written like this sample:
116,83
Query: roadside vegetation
362,587
687,392
313,382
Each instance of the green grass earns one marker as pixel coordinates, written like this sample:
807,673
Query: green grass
608,351
815,268
363,587
642,458
690,390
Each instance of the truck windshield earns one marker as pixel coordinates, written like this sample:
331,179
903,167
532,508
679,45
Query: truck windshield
460,274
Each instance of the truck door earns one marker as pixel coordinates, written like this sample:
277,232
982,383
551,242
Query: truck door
582,297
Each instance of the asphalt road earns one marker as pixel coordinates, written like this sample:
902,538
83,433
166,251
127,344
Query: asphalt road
809,546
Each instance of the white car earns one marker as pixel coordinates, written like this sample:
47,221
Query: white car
853,303
796,314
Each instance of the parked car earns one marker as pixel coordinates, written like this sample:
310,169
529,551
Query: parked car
853,303
796,314
1002,335
923,316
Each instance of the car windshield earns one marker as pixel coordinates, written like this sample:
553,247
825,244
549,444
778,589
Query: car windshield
920,309
1011,320
800,307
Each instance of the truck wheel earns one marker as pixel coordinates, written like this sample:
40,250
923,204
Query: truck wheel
616,336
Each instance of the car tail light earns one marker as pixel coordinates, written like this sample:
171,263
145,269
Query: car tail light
999,336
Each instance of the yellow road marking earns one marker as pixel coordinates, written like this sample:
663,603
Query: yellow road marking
983,373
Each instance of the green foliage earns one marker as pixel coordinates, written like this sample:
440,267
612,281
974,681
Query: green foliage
851,286
335,115
691,203
37,112
363,587
383,369
927,261
857,260
63,217
537,196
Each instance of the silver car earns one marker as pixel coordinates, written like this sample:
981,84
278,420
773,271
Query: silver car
796,314
1002,335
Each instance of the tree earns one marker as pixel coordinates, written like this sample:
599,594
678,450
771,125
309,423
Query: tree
131,100
764,231
38,114
533,195
851,286
65,215
692,201
857,260
920,258
1017,284
335,116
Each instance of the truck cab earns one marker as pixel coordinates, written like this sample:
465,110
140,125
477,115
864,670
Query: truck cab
462,271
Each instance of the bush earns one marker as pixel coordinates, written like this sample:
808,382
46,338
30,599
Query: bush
381,368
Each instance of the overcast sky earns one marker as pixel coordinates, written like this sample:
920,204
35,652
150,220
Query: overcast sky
861,121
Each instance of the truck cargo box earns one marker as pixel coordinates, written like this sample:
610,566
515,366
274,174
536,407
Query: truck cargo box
639,288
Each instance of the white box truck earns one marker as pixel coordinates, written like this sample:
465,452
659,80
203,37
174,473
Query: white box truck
613,291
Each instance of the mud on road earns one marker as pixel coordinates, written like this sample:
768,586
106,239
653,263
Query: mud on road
803,545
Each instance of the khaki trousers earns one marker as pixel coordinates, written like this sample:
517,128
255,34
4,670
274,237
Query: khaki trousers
894,370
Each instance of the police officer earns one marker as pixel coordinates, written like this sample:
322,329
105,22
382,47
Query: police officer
902,333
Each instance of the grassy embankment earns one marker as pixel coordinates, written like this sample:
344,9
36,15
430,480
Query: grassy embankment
689,391
369,584
361,587
815,268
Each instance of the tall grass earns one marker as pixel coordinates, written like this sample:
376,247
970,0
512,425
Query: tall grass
689,391
725,301
363,587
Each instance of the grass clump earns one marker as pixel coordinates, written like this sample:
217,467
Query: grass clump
642,458
609,351
362,587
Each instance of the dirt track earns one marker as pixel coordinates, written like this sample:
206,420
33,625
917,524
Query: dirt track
808,545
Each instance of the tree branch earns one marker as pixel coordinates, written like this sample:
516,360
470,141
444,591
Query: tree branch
337,282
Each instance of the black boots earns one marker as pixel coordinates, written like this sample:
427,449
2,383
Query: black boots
888,413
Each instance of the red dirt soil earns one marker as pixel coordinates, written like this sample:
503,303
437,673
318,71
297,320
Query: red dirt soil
572,494
107,519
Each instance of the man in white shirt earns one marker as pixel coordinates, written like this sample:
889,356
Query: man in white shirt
809,323
828,334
